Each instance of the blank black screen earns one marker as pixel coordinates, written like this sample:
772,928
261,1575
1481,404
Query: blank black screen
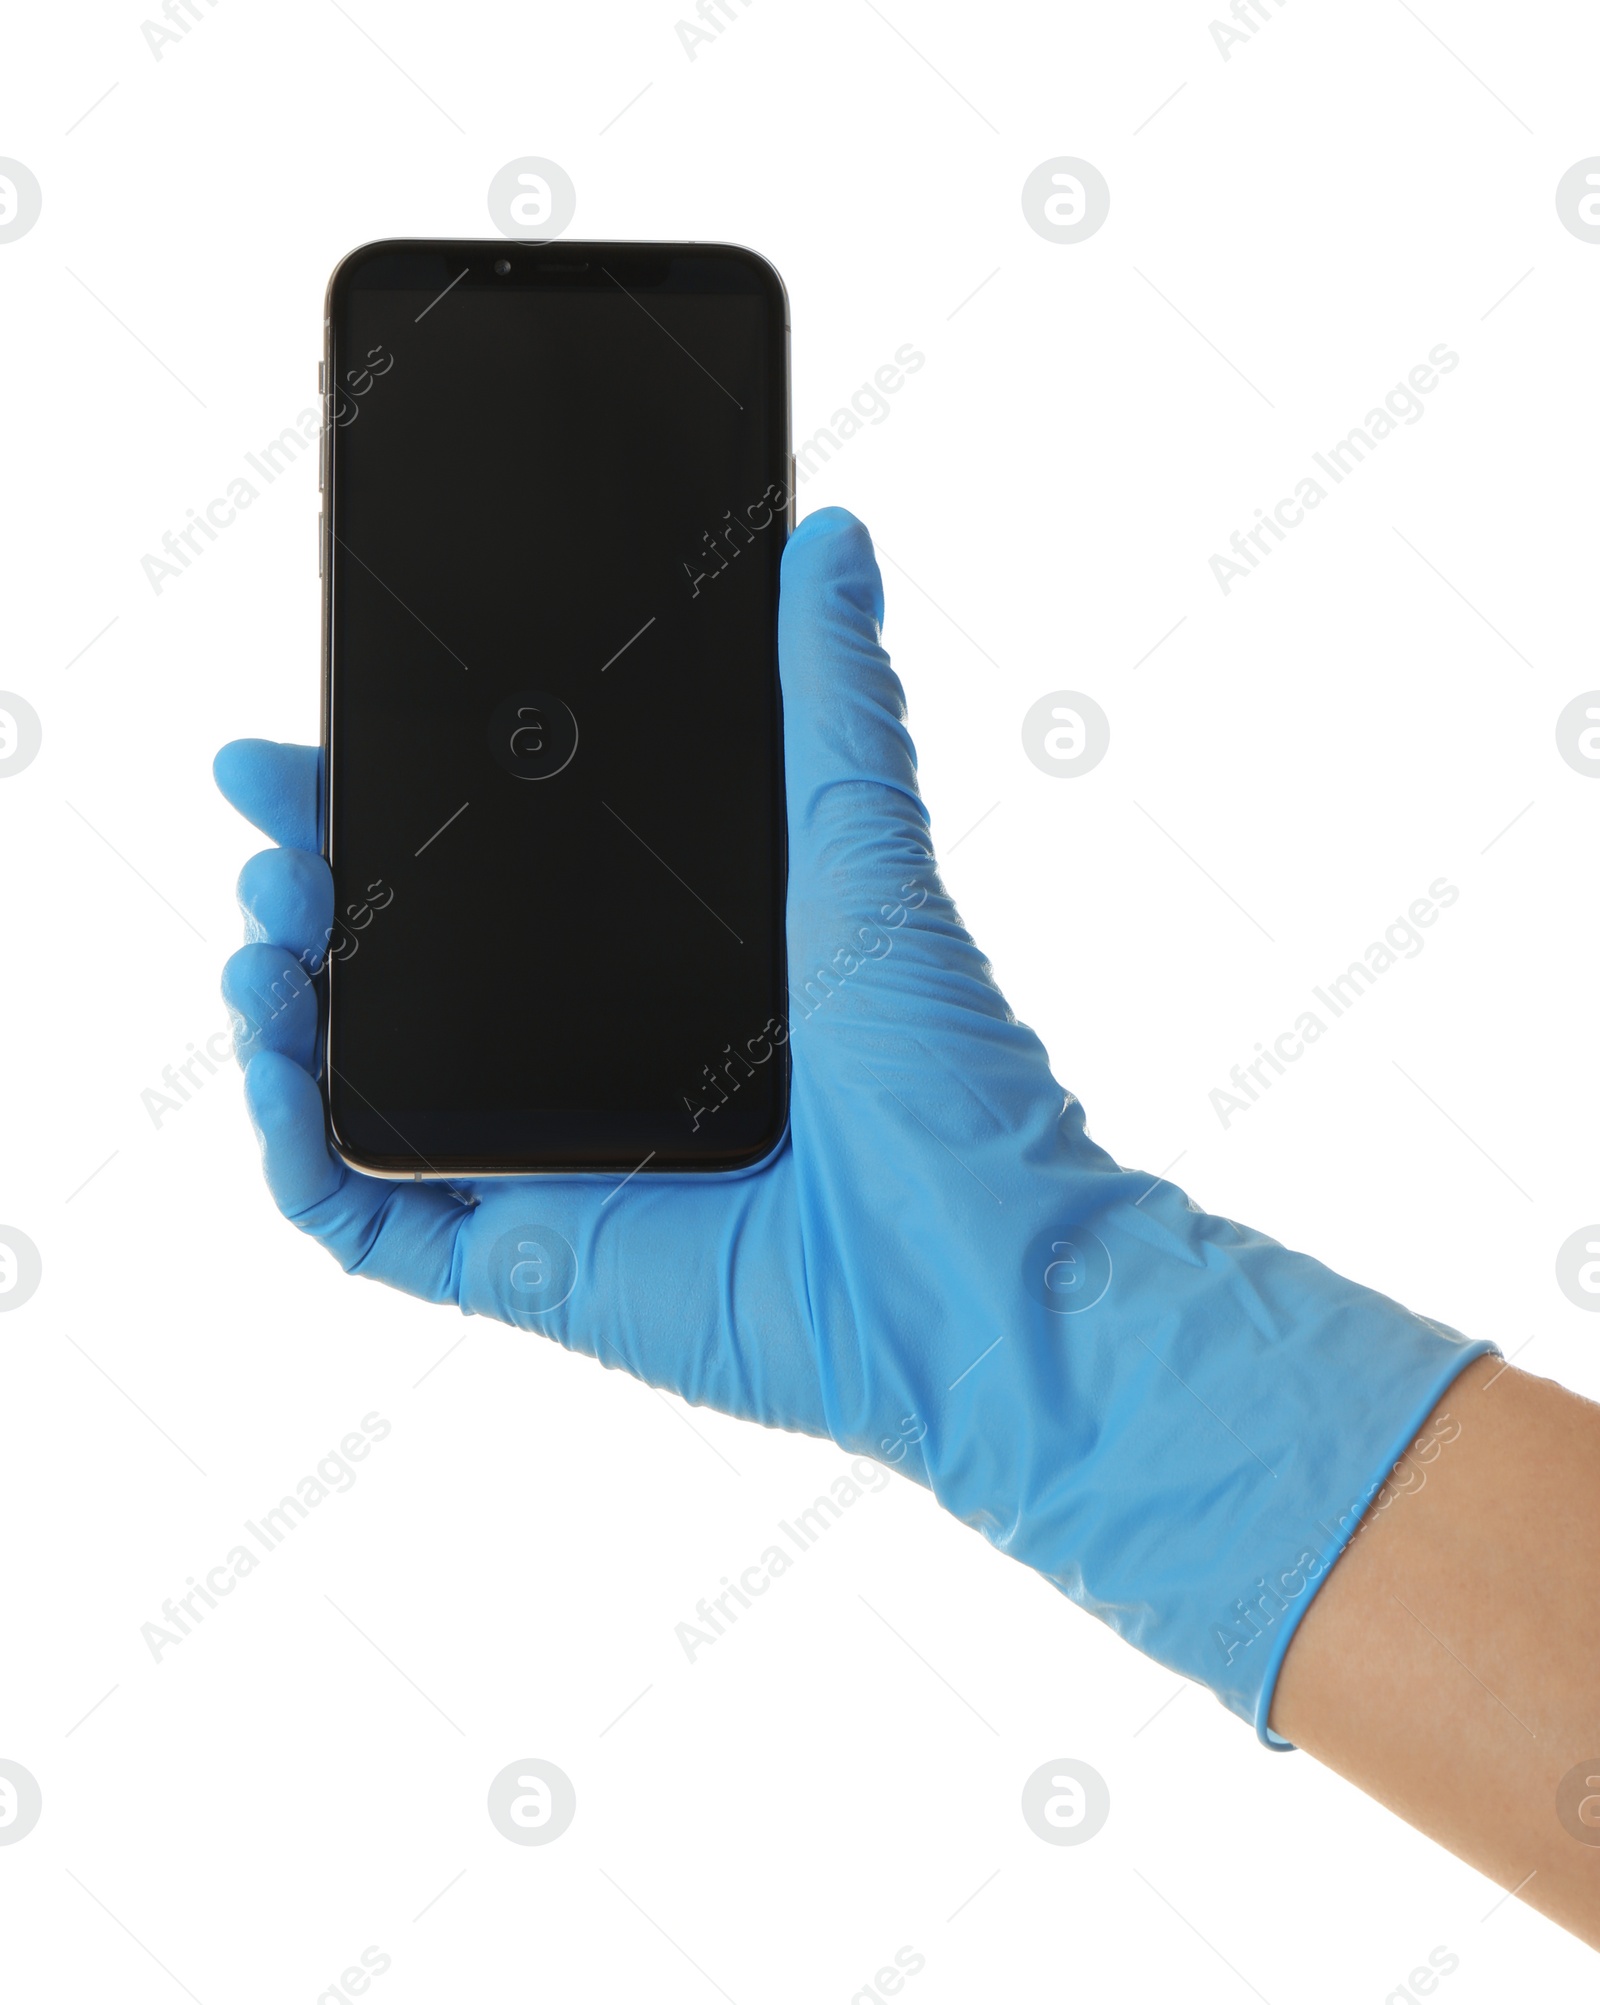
556,510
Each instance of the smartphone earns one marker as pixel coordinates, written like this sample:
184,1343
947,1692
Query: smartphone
556,489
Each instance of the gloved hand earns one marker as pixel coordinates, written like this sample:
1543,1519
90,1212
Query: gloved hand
1174,1419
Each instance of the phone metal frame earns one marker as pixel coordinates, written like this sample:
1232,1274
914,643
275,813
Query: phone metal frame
488,249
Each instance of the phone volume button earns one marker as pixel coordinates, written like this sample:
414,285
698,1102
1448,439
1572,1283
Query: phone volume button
322,539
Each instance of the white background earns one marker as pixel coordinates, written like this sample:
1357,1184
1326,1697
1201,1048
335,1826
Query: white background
1357,718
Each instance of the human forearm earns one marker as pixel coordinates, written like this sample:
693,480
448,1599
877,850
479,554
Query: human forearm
1450,1666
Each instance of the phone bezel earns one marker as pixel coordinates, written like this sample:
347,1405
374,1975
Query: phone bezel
534,263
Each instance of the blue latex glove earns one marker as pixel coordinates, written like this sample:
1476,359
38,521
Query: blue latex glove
1174,1419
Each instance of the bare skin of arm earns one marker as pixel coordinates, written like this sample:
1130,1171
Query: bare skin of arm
1450,1665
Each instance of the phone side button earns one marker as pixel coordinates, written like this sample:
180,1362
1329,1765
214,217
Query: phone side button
322,377
793,477
322,539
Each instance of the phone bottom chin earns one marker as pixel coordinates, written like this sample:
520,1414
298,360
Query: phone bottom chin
423,1142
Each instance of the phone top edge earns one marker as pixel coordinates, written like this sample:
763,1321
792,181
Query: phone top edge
361,254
